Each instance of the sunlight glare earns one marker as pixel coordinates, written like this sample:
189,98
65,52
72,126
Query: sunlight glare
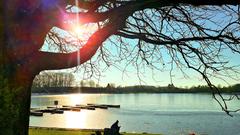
78,30
76,119
76,99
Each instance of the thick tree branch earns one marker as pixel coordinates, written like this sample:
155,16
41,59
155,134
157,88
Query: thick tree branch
68,60
143,37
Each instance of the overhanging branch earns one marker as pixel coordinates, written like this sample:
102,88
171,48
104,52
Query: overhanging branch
60,60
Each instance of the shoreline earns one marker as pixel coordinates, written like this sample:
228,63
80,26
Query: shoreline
64,129
34,130
59,93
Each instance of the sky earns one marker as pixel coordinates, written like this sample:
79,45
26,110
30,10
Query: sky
157,78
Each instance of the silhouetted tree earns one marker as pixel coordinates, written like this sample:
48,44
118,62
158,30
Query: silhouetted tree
193,33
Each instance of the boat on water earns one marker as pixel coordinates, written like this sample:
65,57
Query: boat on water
36,113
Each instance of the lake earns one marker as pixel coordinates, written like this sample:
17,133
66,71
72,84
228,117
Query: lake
170,114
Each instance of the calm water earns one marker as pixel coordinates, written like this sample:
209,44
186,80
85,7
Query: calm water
170,114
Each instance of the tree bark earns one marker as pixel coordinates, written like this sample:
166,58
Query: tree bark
15,78
15,97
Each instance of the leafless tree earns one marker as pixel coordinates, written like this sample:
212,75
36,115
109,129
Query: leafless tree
193,34
52,79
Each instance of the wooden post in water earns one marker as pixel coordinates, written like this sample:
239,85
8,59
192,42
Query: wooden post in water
56,103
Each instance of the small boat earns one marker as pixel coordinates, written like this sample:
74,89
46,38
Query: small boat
98,106
58,111
75,109
35,113
47,110
85,107
110,106
52,110
34,109
51,107
65,108
90,108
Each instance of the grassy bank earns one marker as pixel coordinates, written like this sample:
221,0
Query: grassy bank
62,131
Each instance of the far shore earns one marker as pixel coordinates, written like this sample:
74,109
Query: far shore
71,131
235,89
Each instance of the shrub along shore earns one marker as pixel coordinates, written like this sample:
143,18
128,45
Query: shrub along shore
65,131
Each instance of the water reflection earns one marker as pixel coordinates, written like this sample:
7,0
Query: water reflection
75,119
68,99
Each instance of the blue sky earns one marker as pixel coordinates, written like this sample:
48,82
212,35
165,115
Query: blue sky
160,78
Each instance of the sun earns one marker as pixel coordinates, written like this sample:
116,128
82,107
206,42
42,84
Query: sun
83,32
77,30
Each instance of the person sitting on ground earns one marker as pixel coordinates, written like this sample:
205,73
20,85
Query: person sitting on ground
114,130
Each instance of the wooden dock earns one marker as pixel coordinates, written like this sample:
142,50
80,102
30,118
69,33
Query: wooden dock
106,105
76,108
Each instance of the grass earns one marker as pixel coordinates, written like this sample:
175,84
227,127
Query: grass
61,131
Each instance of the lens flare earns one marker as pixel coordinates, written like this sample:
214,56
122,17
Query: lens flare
78,30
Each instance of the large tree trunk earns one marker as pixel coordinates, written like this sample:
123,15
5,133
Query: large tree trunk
16,70
15,95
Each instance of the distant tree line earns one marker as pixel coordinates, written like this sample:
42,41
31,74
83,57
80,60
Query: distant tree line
92,87
53,79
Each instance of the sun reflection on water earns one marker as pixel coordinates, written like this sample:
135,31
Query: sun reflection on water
84,118
75,119
69,119
75,99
